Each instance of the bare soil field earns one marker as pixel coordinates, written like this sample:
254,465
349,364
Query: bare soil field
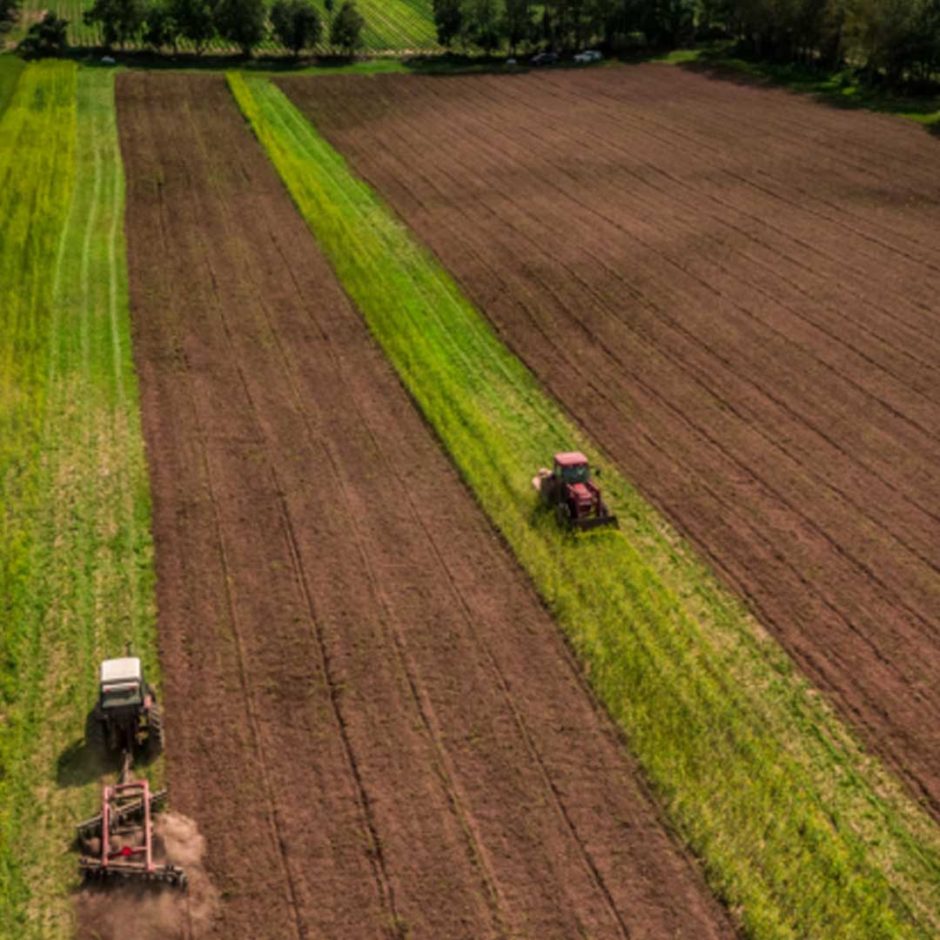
734,291
373,721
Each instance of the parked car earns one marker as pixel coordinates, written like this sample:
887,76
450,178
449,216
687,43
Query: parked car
588,56
544,58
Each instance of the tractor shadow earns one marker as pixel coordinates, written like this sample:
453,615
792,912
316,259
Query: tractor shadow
80,764
87,760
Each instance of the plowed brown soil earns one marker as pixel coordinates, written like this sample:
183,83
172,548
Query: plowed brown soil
375,724
734,290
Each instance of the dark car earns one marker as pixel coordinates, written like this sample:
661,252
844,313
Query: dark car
544,58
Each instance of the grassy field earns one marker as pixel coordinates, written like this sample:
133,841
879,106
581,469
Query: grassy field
76,575
10,68
397,24
391,25
800,833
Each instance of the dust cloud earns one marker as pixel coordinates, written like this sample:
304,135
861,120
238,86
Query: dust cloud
116,911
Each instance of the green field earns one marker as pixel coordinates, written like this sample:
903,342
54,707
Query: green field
76,579
391,25
10,68
800,833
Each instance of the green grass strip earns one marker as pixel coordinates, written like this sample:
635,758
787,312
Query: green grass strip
36,139
76,581
800,833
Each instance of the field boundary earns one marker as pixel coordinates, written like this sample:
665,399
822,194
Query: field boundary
76,498
800,832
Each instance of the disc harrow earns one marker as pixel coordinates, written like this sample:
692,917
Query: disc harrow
118,842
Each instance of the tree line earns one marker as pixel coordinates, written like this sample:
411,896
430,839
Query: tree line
893,39
890,40
165,24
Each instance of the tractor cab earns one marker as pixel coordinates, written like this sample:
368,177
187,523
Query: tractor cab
126,714
572,468
121,684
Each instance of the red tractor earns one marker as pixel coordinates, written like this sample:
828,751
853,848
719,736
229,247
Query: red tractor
569,488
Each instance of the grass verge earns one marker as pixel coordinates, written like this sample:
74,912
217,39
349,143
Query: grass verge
76,576
10,68
840,89
800,833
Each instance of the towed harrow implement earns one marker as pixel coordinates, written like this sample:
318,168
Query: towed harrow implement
118,843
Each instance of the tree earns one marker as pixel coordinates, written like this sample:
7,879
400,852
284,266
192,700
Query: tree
481,24
329,6
160,29
195,21
448,20
665,21
567,24
346,30
8,10
924,48
120,20
517,23
47,37
880,32
241,22
296,24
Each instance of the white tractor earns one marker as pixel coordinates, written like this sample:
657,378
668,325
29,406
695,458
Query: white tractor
126,715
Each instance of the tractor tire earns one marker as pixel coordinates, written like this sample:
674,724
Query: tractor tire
155,731
563,515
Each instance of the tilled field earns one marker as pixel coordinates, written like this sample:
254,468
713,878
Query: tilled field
372,719
734,290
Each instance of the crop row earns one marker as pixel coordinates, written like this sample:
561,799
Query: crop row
799,831
75,552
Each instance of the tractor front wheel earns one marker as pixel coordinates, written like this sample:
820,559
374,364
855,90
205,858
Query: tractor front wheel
563,515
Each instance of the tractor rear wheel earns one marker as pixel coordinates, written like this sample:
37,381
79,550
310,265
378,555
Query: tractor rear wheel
155,730
563,515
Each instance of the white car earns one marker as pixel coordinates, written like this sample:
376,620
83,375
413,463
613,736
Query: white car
589,55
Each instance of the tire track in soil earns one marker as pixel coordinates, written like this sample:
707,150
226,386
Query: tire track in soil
803,472
480,791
